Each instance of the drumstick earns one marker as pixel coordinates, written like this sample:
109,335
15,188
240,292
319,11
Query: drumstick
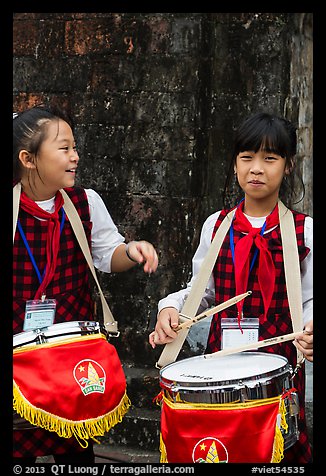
210,312
253,345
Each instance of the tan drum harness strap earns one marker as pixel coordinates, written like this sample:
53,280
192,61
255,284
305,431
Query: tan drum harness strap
291,269
292,278
110,324
15,205
190,307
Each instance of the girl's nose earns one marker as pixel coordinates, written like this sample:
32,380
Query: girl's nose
75,156
256,167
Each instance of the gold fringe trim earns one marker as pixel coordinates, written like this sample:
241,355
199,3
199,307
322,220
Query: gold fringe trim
164,457
278,445
81,430
184,405
282,411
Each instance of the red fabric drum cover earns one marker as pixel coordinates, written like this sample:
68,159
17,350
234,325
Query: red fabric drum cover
230,409
78,388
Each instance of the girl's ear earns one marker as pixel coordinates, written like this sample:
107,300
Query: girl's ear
26,159
289,167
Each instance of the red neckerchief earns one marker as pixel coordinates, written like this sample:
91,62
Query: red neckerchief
266,269
53,235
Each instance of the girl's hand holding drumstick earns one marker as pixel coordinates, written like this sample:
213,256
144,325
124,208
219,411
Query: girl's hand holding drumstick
167,322
304,341
168,325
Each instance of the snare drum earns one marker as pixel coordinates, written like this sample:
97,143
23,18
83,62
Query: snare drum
230,380
55,333
69,379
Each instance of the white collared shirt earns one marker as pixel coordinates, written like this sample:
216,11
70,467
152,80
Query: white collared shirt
104,236
177,299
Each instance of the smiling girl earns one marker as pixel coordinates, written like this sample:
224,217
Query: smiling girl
47,258
251,256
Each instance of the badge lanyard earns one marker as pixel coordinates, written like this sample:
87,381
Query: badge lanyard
39,313
40,278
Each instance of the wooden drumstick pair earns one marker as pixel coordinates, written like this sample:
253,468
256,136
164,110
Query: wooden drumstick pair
252,346
193,320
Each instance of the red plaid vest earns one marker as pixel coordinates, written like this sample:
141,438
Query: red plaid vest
70,284
70,287
278,316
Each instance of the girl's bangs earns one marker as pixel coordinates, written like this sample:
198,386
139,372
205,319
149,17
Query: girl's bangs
269,139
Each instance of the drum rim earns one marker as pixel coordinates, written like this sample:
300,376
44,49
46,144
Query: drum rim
237,383
21,338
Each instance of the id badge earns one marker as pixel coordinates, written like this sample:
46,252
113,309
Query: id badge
232,335
39,314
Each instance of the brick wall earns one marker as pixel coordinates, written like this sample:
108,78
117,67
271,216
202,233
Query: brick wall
155,98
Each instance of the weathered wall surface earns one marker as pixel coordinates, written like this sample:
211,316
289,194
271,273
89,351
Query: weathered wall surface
155,98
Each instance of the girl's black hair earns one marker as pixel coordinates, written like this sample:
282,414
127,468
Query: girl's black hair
30,129
273,134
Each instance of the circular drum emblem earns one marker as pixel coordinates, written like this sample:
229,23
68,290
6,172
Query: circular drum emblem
90,376
209,450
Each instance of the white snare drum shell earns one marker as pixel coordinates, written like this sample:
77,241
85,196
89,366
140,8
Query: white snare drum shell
236,377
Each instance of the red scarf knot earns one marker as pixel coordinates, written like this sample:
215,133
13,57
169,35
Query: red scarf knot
53,235
266,268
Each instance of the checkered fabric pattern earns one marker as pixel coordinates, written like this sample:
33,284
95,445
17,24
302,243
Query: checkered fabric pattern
70,287
278,320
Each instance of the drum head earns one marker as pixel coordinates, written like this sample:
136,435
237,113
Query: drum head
198,371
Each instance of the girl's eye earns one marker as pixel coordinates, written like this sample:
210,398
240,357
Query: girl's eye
270,158
245,157
67,148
